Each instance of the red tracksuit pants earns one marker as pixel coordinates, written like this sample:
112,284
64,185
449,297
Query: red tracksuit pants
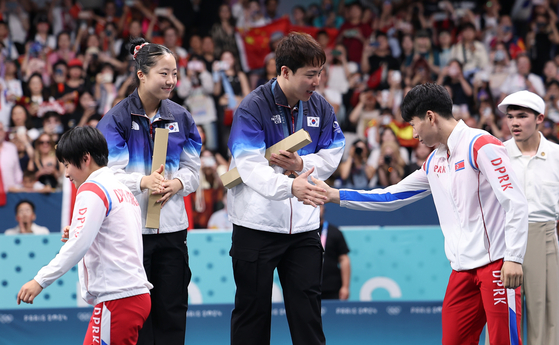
118,321
476,297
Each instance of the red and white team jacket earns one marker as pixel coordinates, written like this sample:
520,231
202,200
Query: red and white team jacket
106,239
482,211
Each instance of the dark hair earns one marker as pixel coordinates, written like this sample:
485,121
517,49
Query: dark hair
25,201
79,141
27,116
60,34
298,50
147,56
426,97
322,32
517,107
50,114
468,25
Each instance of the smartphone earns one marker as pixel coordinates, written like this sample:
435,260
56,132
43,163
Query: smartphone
160,11
336,52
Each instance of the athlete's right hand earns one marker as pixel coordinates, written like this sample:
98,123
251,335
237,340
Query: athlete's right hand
153,181
511,274
306,192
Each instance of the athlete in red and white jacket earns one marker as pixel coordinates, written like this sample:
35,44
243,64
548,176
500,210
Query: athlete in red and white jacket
475,194
104,239
482,212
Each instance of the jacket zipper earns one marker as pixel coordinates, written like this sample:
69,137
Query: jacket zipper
290,216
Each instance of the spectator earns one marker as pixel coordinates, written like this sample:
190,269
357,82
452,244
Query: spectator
9,48
25,217
11,90
390,165
365,115
423,49
230,87
219,219
86,108
505,34
340,70
332,95
385,134
105,90
171,41
354,35
461,89
336,269
10,170
469,52
208,52
445,47
63,49
254,18
328,17
20,138
47,168
522,79
269,69
354,171
52,125
499,68
30,184
209,192
552,100
550,72
420,154
541,38
223,32
298,16
377,61
42,36
17,14
239,12
195,45
196,88
271,10
35,96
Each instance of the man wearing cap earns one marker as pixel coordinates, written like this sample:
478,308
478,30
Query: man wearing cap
535,161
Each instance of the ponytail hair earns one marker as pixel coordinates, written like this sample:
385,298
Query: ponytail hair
146,55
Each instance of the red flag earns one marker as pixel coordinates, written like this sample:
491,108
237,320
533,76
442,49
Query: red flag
254,44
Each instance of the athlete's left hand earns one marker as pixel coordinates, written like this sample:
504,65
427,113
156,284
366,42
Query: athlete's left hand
287,160
168,189
29,291
511,274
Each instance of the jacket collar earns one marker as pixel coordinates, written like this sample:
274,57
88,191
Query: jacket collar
543,148
453,139
135,107
281,100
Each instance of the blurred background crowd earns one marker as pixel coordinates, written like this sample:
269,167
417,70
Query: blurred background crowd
65,63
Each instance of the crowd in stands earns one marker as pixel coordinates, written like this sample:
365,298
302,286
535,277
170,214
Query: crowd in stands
62,65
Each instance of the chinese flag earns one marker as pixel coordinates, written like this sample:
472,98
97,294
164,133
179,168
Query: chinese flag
254,44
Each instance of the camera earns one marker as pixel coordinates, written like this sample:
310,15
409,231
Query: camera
358,150
387,159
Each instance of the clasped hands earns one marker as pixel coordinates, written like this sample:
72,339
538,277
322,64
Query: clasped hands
304,191
161,186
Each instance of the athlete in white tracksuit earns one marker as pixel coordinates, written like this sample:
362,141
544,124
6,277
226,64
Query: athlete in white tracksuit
482,212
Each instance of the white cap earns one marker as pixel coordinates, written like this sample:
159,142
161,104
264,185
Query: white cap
524,99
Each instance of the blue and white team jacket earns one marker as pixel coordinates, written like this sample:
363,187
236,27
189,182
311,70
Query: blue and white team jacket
482,211
264,200
130,139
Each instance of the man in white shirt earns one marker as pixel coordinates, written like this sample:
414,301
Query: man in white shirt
25,217
482,213
535,162
104,239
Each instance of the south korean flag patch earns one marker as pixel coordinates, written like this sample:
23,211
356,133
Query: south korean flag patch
173,127
313,121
